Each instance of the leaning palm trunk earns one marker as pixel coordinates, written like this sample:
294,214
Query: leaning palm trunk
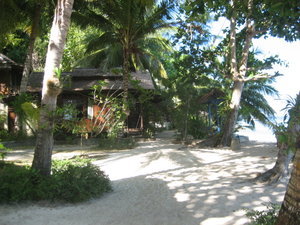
289,213
285,153
51,86
279,170
33,35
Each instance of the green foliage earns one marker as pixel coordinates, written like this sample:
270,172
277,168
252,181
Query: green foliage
26,109
288,131
71,181
110,117
116,143
278,18
76,46
265,217
18,136
124,25
32,114
191,80
3,150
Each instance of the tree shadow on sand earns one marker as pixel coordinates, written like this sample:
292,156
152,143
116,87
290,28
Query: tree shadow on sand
157,184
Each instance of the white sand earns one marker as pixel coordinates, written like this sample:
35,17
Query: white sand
157,184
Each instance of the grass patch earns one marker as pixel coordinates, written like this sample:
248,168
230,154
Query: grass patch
264,217
73,180
116,143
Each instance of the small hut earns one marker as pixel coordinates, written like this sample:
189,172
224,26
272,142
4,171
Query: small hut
78,87
213,98
10,80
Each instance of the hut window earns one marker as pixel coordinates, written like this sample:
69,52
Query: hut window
90,110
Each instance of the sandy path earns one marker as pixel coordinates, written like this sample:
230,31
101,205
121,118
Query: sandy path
157,184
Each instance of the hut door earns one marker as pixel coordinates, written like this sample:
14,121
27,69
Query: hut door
11,120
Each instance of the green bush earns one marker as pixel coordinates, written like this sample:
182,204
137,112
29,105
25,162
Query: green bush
265,217
71,181
116,143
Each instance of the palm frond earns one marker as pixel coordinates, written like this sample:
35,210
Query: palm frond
99,42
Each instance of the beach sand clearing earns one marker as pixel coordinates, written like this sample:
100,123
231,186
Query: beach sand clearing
157,183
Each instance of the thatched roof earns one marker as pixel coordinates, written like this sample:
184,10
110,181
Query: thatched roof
6,62
210,96
84,79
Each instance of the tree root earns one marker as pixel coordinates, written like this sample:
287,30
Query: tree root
269,177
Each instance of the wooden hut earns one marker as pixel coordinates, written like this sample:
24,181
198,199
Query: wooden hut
77,91
10,80
212,99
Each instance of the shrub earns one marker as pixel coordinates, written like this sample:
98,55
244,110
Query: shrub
265,217
3,151
71,181
78,180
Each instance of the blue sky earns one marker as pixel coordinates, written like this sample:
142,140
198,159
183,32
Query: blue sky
289,83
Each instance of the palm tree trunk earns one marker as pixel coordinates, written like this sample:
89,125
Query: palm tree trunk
289,213
33,35
280,169
51,87
125,78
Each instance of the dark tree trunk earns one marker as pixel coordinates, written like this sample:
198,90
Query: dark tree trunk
126,75
33,36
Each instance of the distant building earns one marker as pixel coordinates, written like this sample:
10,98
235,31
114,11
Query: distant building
10,80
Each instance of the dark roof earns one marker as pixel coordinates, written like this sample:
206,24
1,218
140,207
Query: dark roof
210,96
6,62
84,79
91,72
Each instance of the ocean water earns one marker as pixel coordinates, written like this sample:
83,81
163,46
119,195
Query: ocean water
261,134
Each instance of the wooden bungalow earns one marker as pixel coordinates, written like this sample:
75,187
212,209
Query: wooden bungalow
213,98
10,80
77,91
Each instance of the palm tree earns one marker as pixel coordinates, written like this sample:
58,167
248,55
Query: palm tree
51,86
254,106
289,213
128,29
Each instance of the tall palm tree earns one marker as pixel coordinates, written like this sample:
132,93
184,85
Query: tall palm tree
128,29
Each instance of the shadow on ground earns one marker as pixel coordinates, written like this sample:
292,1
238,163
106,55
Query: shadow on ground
158,184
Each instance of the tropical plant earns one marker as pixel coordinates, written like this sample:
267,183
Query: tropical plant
128,30
289,213
254,18
264,217
72,180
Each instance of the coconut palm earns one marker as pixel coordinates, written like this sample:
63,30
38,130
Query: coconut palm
254,105
289,213
128,30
